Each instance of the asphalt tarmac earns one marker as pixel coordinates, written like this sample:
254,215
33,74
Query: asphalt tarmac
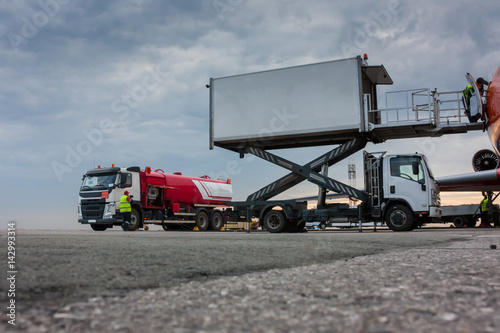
57,269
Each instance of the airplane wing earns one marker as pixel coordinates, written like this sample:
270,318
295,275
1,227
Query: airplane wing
487,180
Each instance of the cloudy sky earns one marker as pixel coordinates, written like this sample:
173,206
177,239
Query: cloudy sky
90,82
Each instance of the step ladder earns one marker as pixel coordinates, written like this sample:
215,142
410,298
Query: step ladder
373,184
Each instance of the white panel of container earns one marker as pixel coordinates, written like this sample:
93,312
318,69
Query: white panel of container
291,101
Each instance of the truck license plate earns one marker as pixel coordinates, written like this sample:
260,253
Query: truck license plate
92,221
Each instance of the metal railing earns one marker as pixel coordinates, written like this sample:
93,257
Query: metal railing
419,106
449,107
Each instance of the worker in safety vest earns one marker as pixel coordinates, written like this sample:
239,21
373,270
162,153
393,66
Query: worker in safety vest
126,210
484,211
467,94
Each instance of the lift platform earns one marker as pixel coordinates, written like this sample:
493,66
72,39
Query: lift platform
425,113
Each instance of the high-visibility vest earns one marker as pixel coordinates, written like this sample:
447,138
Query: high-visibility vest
484,205
125,206
467,94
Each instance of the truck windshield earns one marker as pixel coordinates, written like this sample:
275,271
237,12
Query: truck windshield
98,182
408,168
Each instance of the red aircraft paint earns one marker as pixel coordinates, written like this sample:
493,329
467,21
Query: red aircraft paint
493,111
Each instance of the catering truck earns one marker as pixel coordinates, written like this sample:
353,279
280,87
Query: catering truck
400,190
329,103
170,200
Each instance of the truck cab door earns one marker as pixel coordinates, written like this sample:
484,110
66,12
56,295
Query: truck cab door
406,180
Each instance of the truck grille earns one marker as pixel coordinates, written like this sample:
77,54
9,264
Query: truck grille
93,209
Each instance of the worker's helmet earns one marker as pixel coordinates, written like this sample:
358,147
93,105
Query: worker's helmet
480,80
126,192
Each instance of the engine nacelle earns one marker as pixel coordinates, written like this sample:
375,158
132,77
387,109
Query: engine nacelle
485,160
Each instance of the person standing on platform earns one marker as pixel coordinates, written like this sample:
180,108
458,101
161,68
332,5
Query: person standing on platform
467,94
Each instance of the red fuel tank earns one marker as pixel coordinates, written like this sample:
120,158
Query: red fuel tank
176,188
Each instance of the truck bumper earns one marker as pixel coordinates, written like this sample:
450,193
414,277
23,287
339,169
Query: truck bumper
112,220
435,211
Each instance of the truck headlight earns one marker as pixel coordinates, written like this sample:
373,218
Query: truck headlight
109,210
80,216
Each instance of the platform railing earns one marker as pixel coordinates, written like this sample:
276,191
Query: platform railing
449,107
421,106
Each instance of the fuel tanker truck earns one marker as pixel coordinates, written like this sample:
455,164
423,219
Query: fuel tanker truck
173,201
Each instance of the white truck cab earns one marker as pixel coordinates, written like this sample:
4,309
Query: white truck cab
100,192
406,194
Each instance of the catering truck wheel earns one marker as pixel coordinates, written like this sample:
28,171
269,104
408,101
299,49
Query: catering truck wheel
216,221
275,221
399,218
202,220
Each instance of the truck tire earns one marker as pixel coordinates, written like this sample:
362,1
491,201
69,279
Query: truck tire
216,221
99,227
399,218
275,221
458,221
202,220
135,222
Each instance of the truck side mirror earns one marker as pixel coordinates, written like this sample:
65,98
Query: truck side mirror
414,166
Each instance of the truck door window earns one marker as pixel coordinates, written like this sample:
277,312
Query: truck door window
408,168
126,180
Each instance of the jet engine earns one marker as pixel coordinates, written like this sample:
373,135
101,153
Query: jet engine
484,160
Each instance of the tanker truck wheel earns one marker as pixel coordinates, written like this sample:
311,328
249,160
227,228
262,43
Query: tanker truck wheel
217,221
275,221
135,220
399,218
202,220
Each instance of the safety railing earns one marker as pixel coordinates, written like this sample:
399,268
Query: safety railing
448,107
421,106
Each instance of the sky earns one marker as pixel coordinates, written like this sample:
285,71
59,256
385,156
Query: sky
86,83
